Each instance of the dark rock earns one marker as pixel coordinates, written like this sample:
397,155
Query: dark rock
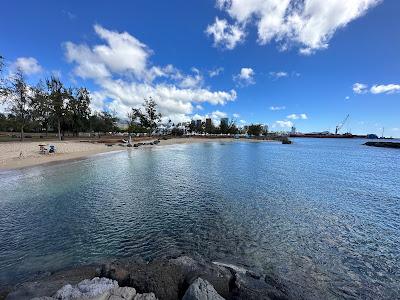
168,278
115,271
247,287
253,274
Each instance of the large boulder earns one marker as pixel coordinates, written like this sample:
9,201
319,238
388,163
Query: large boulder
201,289
96,288
125,292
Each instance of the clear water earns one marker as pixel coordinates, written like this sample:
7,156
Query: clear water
324,214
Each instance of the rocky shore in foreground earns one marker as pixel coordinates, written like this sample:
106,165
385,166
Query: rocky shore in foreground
181,277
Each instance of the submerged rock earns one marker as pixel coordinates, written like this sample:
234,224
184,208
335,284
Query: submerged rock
201,290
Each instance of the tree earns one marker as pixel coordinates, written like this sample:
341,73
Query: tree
17,97
78,110
255,130
3,86
57,96
147,119
233,128
3,122
103,122
41,106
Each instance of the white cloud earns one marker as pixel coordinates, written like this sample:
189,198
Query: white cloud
236,115
224,34
28,65
360,88
278,75
282,124
309,24
121,70
275,108
385,89
215,116
123,54
297,117
347,98
215,72
218,114
192,81
245,77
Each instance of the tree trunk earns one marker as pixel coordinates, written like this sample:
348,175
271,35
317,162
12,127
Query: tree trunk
59,129
22,133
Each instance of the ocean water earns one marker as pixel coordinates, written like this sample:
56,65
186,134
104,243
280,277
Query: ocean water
322,214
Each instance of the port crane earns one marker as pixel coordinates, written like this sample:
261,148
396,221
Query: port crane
341,124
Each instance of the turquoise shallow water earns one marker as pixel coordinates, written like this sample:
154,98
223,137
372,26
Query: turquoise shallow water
323,214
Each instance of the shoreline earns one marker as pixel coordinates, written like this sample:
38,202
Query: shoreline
168,277
77,150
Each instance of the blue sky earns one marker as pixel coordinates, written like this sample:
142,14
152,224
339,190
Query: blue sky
254,61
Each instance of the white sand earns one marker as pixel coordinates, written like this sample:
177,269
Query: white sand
10,152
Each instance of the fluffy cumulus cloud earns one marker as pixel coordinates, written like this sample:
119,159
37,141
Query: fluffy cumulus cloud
121,69
360,88
309,24
225,35
245,77
277,108
28,65
297,117
385,89
282,124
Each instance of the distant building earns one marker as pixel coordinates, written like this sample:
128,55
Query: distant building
265,128
208,122
193,123
293,131
224,121
198,123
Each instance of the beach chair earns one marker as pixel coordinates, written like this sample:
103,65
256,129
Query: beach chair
43,149
52,149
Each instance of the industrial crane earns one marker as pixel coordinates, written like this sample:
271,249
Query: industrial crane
340,125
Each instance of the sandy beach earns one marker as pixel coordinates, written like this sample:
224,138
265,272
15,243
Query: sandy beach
16,155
